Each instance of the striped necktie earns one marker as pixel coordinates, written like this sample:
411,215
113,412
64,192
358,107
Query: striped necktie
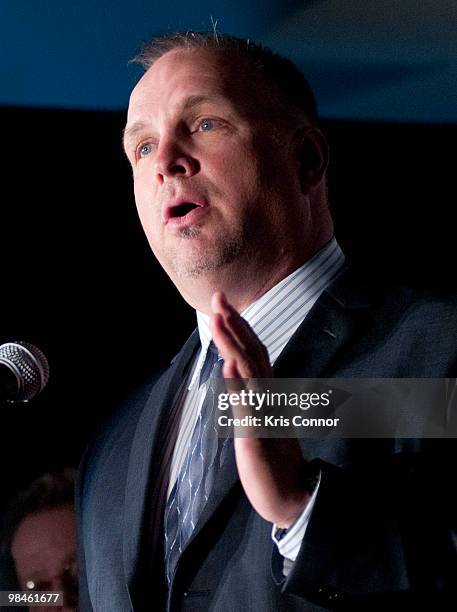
196,477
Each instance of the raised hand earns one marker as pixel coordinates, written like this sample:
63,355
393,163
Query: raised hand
271,470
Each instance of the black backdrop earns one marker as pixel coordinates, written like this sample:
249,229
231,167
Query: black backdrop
78,279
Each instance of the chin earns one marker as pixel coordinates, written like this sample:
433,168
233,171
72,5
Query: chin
196,257
194,269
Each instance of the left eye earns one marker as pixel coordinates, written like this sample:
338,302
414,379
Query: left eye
206,125
145,149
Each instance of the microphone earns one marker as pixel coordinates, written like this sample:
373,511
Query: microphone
24,371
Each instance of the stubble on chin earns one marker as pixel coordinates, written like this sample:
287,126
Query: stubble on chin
194,260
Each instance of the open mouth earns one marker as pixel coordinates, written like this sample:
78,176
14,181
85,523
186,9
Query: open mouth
182,209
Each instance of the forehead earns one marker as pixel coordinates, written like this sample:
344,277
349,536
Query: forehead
182,74
44,544
48,529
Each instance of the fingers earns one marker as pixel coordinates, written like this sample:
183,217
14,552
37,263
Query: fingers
236,340
230,369
237,363
232,320
240,328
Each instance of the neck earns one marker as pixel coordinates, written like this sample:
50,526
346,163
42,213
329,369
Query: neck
245,282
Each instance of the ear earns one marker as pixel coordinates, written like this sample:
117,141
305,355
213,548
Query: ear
313,157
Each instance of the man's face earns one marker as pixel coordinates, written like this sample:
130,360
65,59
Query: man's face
44,553
214,185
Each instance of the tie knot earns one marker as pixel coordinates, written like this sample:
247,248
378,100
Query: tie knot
212,359
212,350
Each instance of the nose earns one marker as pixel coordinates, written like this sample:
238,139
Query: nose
67,582
173,161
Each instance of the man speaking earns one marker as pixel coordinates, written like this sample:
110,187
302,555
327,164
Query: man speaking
229,169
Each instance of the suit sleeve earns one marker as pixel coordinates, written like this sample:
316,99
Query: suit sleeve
382,536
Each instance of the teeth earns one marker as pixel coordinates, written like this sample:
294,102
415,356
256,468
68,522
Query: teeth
182,209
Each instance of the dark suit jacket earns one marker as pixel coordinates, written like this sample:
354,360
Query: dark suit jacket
382,533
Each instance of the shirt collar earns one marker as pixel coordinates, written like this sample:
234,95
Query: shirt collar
277,314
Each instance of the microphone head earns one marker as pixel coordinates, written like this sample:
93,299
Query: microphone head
29,366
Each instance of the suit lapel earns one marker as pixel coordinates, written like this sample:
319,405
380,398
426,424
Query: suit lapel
143,464
336,319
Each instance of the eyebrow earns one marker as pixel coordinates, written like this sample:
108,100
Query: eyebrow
195,100
130,131
190,102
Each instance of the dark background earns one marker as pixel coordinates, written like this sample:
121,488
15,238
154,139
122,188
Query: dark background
80,282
